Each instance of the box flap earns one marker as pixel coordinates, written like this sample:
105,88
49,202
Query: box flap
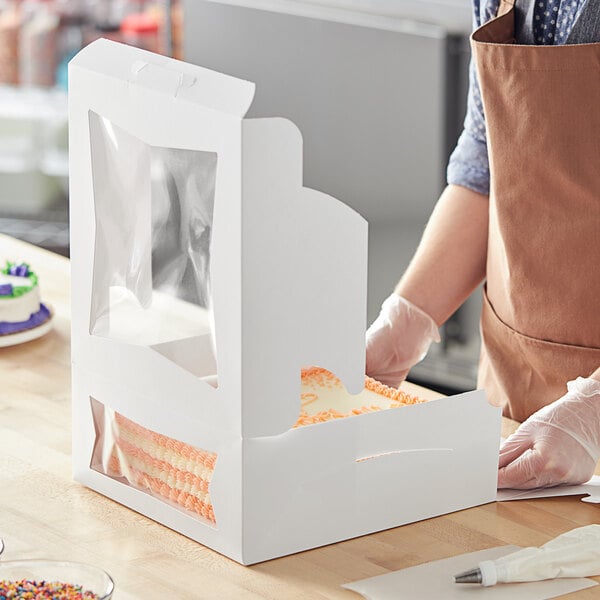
304,268
354,476
195,84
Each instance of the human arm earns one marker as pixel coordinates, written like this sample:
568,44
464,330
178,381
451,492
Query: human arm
448,264
559,444
450,260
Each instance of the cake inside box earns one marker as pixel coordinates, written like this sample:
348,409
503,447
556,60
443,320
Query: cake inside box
20,305
323,397
175,471
181,473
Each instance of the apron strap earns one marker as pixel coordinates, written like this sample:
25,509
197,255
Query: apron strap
505,6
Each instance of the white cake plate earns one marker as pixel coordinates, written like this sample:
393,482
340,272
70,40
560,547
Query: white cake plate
27,335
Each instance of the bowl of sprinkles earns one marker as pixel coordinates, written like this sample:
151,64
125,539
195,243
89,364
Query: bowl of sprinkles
53,580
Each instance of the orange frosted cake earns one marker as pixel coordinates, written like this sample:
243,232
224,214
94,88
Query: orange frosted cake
323,397
168,468
182,473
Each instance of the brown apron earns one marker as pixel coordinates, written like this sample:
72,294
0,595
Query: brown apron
540,322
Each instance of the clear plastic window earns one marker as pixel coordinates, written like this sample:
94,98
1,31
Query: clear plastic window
156,464
154,219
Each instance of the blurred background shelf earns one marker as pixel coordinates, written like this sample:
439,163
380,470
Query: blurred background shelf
37,39
33,151
49,230
397,70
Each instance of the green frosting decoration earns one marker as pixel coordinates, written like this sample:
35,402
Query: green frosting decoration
19,290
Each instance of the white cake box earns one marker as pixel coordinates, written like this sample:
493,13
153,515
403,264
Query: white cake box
218,366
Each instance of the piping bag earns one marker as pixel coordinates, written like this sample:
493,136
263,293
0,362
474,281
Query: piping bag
575,553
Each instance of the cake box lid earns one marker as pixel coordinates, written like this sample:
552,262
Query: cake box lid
165,75
288,263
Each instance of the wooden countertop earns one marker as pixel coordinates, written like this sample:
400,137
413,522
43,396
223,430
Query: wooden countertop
45,514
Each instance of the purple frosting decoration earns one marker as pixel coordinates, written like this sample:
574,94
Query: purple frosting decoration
36,319
6,289
21,270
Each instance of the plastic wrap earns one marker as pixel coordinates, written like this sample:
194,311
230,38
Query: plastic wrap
154,216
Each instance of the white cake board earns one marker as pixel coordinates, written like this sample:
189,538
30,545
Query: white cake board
27,335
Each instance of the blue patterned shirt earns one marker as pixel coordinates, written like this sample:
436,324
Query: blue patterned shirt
552,23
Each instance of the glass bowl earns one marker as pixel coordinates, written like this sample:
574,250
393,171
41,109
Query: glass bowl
90,578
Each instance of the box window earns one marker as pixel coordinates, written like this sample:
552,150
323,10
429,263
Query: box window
154,220
156,464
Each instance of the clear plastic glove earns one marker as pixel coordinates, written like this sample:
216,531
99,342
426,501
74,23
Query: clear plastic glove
559,444
398,339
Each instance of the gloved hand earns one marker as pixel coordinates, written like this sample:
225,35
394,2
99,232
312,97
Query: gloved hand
560,443
398,339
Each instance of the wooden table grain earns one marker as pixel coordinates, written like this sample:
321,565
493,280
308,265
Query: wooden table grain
45,514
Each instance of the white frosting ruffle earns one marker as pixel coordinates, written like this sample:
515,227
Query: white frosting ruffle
15,310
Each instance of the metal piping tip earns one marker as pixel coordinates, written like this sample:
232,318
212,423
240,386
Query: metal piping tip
470,576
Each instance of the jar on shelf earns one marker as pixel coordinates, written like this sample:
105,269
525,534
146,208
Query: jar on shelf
38,43
10,25
141,30
169,16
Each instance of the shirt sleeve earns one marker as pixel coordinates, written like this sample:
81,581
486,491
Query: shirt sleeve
468,165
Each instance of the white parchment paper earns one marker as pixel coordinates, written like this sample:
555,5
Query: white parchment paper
435,581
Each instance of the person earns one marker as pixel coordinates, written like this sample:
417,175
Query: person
521,212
